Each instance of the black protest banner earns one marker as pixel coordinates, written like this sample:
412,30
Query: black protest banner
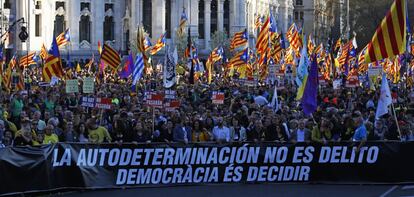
62,165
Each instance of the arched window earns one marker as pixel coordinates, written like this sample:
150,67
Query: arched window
201,19
147,16
168,18
109,25
59,23
126,40
226,17
85,29
109,28
213,24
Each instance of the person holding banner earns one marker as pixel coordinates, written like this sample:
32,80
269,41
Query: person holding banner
97,134
221,133
182,132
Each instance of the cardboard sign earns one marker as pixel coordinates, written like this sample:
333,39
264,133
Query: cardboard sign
337,84
217,98
88,102
353,82
72,86
280,71
251,81
322,80
103,103
154,99
88,85
374,71
54,81
171,105
170,94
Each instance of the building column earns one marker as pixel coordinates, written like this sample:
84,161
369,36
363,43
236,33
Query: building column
98,11
117,16
158,19
74,23
207,23
192,14
175,17
140,12
233,19
220,15
133,22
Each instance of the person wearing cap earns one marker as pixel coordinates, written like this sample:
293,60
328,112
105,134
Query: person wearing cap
25,136
360,134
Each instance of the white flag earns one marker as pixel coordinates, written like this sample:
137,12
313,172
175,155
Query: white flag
169,68
275,103
385,98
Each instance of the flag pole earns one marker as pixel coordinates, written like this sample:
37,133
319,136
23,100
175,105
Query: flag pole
395,118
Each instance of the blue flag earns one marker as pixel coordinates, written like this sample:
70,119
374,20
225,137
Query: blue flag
309,99
127,70
54,49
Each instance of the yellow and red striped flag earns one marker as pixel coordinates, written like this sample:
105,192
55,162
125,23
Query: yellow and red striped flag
158,46
276,51
110,56
263,65
43,52
215,56
328,66
51,68
263,39
362,65
345,49
239,59
7,77
27,60
183,23
311,45
141,36
20,83
147,43
294,38
338,44
13,62
259,22
90,63
389,39
63,38
239,39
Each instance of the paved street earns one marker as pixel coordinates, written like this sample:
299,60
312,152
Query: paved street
262,190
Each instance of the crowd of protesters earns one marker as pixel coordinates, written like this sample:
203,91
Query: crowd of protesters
46,114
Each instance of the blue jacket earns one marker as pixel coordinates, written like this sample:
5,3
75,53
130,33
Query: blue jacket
179,133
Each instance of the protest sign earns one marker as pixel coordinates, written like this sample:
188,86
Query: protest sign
72,86
217,98
88,85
